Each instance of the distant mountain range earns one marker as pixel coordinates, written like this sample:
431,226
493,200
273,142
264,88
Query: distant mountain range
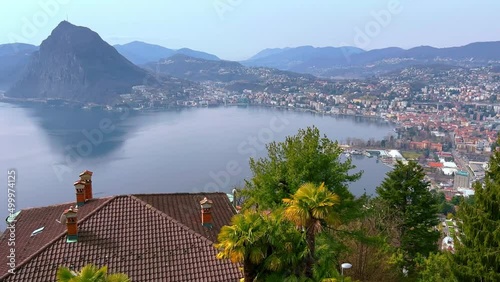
13,58
197,69
141,53
327,60
290,58
234,75
75,64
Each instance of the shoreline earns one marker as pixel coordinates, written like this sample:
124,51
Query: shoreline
71,104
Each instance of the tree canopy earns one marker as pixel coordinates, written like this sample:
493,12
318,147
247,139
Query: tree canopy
264,243
477,256
306,157
309,208
411,210
90,273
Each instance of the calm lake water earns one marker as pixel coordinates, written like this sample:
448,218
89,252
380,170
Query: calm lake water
188,150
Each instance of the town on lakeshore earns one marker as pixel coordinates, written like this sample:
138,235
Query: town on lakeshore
447,119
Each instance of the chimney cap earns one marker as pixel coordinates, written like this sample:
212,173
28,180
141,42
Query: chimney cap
206,203
86,172
79,183
71,210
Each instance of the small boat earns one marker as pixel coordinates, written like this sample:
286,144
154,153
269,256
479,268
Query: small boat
356,152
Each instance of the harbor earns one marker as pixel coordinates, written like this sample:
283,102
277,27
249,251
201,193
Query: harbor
387,157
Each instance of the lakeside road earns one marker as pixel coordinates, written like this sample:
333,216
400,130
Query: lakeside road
461,162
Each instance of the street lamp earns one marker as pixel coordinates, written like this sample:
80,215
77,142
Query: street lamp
345,265
234,197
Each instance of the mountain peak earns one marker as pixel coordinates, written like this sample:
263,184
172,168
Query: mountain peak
64,24
68,35
67,28
74,63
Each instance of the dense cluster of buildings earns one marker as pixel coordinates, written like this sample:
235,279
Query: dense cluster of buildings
450,110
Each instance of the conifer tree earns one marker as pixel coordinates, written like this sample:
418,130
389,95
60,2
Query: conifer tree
436,268
411,210
477,256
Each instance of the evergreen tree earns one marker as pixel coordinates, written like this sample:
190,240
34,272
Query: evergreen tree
305,157
444,207
477,256
410,210
436,268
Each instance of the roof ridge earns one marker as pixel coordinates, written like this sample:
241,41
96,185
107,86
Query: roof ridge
43,248
179,193
161,213
48,206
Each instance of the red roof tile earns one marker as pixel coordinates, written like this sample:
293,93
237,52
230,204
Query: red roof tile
185,208
130,235
31,219
435,164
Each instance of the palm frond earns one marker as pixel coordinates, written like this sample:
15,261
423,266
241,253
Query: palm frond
64,274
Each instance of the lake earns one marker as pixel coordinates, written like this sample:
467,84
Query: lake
189,150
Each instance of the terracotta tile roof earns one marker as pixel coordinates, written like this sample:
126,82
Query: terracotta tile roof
129,235
31,219
185,208
435,164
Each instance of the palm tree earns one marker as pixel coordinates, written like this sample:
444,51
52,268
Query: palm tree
90,273
286,250
244,242
308,208
265,244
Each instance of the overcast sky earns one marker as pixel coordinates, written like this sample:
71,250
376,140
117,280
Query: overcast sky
237,29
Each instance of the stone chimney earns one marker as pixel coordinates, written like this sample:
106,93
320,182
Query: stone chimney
80,192
206,212
71,224
86,176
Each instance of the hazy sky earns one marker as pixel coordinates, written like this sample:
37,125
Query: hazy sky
237,29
